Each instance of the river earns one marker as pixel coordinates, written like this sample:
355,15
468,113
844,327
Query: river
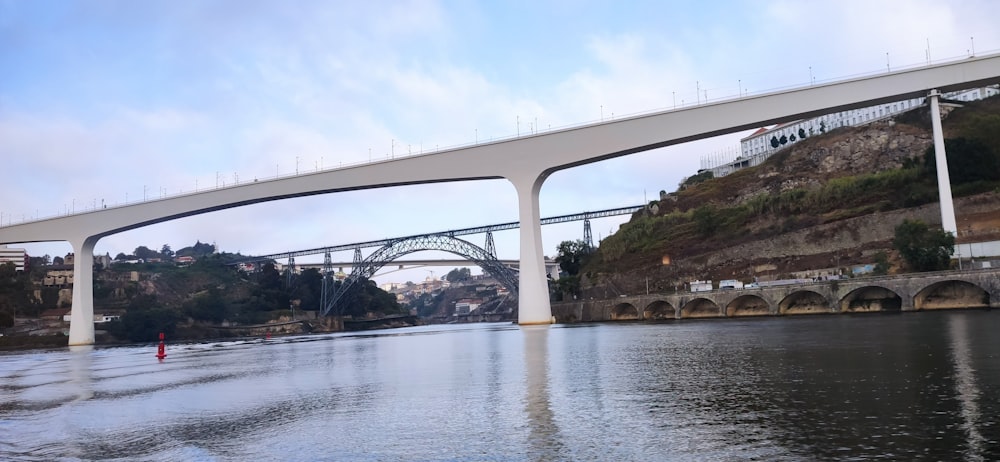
912,386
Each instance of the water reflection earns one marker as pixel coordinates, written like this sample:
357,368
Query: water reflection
81,363
899,387
966,388
544,442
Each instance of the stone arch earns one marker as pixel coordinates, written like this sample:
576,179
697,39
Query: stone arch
748,305
624,312
701,308
659,310
871,299
804,302
951,294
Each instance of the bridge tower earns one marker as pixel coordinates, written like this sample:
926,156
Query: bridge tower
491,248
588,237
290,272
327,280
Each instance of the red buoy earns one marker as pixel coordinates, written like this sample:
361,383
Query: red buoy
161,349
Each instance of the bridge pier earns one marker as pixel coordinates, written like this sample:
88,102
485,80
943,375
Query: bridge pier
948,222
81,324
533,288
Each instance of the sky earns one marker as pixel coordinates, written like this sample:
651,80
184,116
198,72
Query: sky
104,101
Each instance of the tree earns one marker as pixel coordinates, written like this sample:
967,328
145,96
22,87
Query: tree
121,256
571,255
968,160
822,126
791,138
144,319
166,252
145,253
706,220
774,142
783,140
881,264
58,261
308,288
802,133
923,248
459,274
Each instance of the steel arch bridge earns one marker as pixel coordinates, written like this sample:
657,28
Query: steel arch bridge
365,269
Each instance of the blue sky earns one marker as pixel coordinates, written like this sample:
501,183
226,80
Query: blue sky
108,100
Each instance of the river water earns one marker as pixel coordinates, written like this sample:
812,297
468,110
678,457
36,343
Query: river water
914,386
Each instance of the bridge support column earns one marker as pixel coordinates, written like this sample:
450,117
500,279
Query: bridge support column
948,222
533,288
81,321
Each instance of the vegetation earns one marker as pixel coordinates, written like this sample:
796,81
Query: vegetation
571,256
459,275
705,215
167,296
923,248
701,177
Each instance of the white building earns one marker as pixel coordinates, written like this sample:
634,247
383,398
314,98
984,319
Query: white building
19,257
759,145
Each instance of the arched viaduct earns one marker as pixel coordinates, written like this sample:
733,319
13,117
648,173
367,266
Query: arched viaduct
914,292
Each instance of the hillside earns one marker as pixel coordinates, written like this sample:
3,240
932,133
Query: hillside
827,202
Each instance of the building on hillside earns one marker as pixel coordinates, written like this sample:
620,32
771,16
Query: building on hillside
19,257
466,306
761,144
185,260
58,277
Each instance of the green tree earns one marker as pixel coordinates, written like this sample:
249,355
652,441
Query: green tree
822,126
802,133
571,256
700,177
210,306
774,142
791,138
144,320
308,288
459,274
145,253
881,264
923,248
706,220
783,140
968,160
166,252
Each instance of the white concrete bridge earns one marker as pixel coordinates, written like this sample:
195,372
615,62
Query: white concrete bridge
525,161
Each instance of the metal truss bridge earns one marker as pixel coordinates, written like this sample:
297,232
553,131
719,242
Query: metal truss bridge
393,248
488,229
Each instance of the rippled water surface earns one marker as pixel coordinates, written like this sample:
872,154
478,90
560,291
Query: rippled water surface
920,386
